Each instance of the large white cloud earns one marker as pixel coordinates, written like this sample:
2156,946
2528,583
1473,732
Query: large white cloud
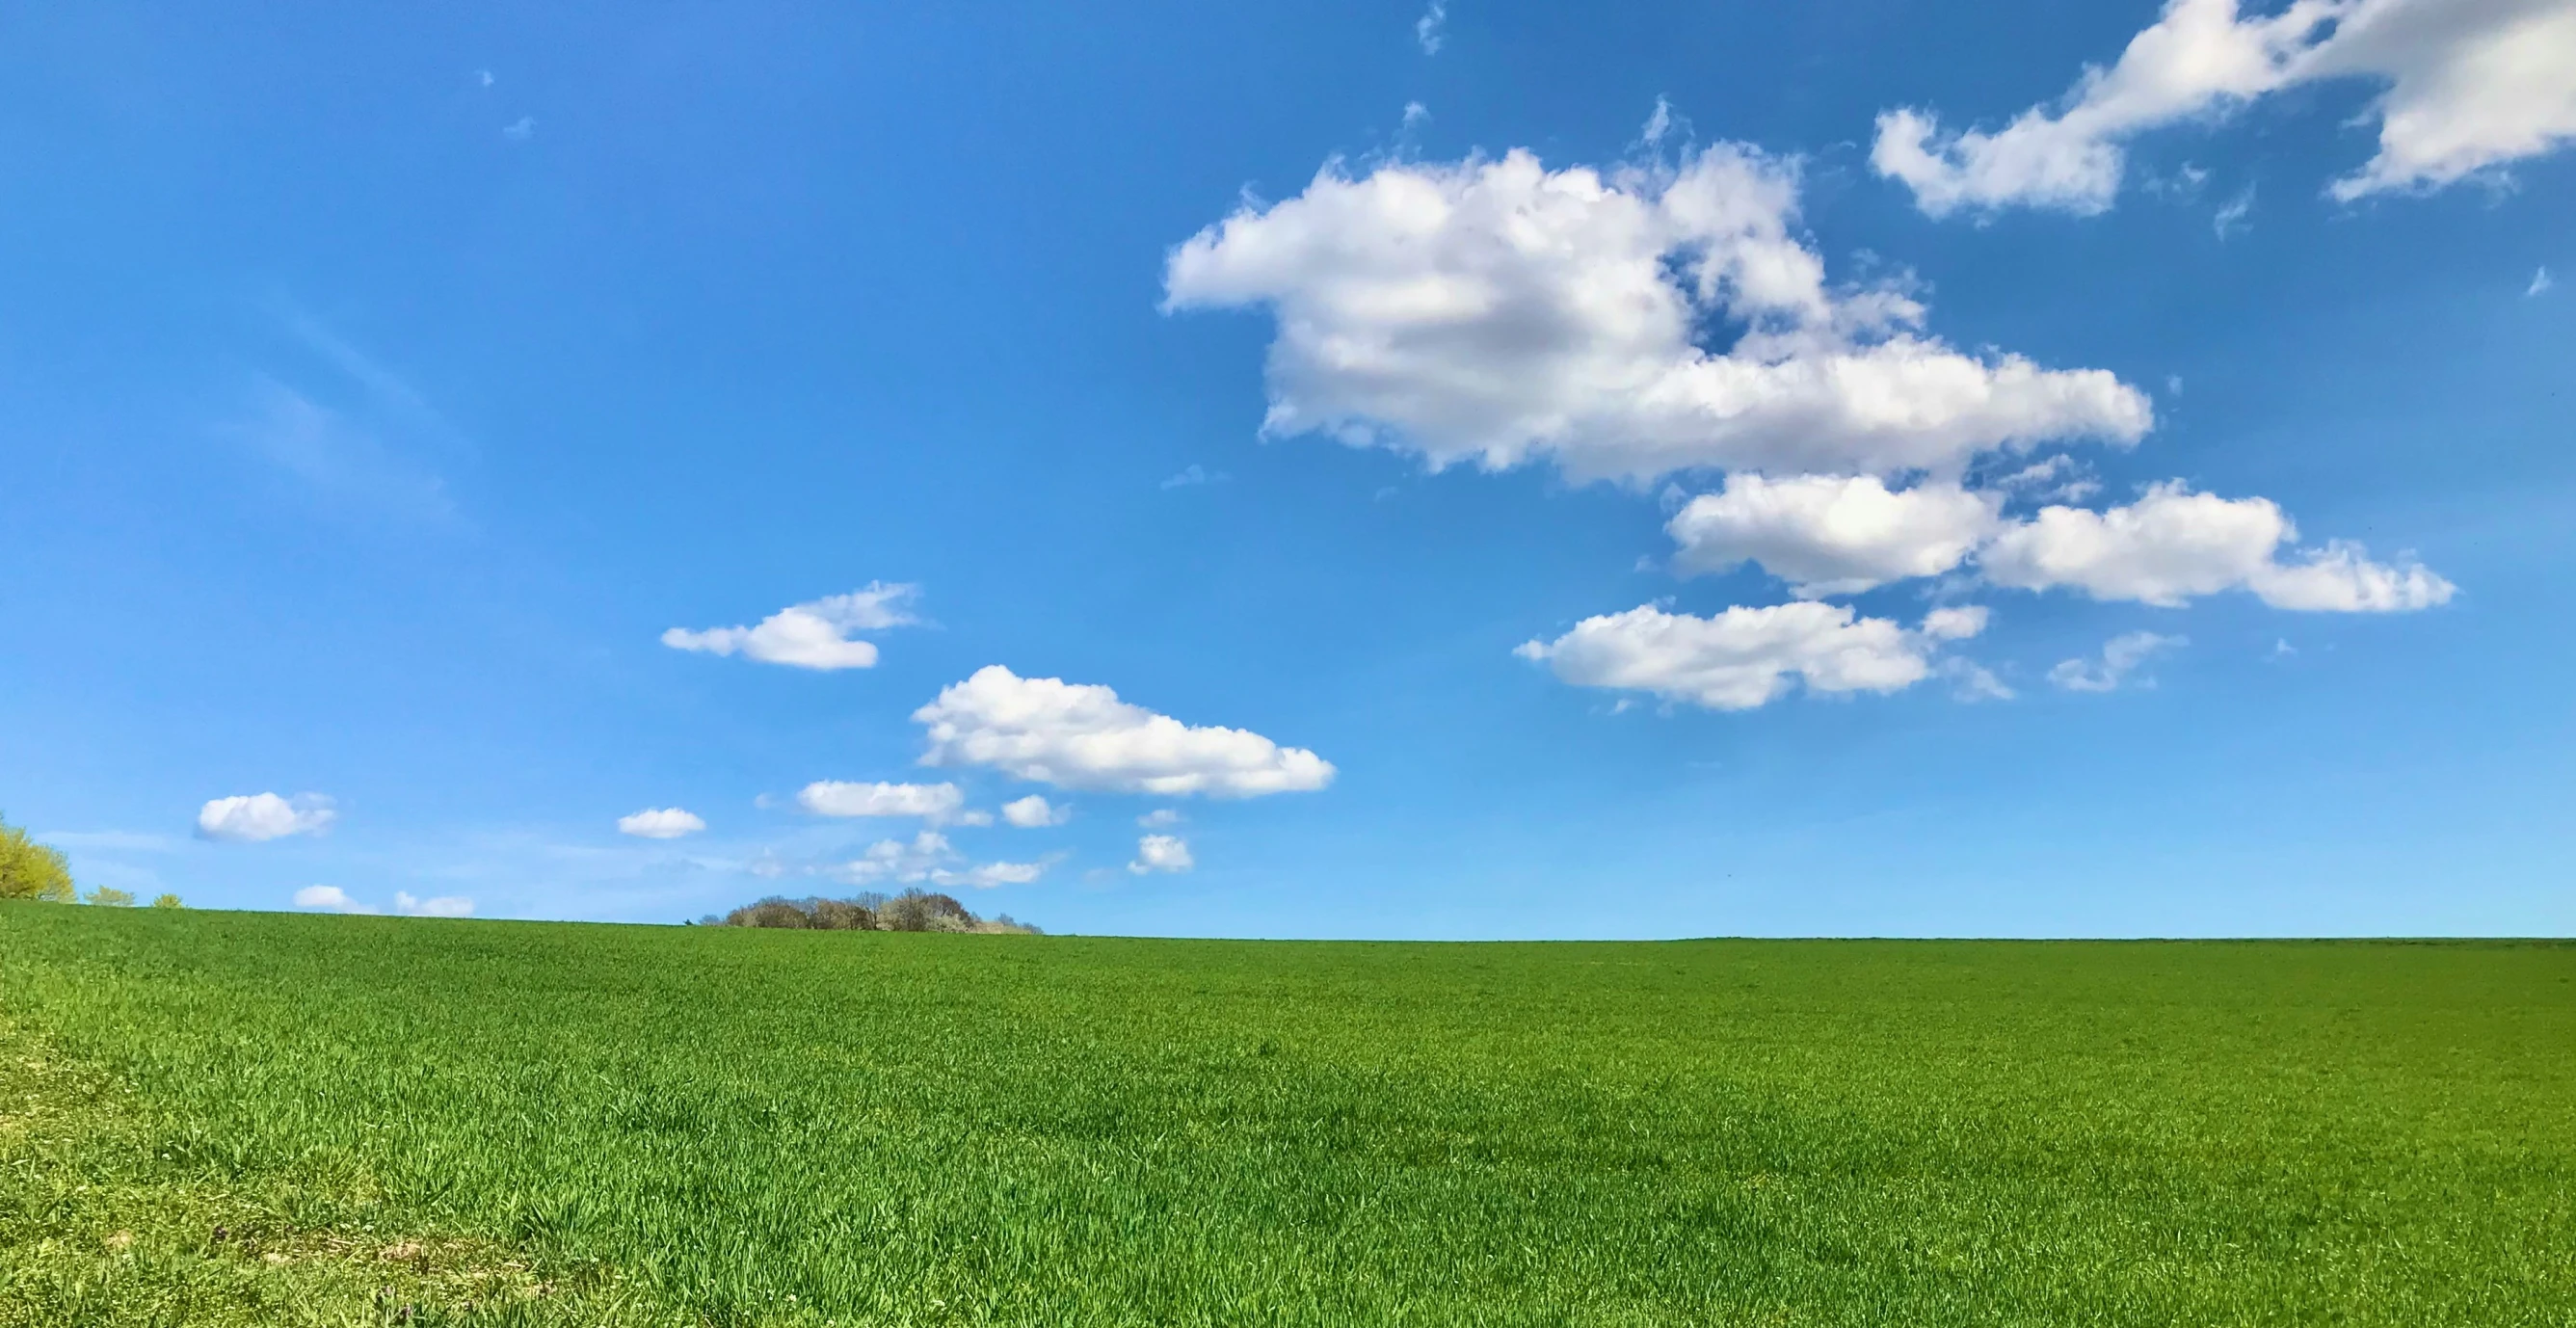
252,818
2470,85
1746,657
1081,736
2173,545
935,803
1497,311
812,635
1831,534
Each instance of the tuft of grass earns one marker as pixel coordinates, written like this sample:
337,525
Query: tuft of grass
555,1123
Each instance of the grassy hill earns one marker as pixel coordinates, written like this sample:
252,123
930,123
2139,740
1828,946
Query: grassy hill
217,1118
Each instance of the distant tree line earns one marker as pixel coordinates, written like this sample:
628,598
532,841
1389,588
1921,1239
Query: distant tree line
29,870
913,910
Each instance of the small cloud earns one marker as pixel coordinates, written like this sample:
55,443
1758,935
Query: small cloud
2282,649
483,77
814,634
2540,284
930,857
1432,29
2230,219
1658,124
2121,658
521,129
1416,115
938,804
1161,853
1973,682
330,897
660,823
1195,473
1032,812
2173,385
258,817
1160,817
444,906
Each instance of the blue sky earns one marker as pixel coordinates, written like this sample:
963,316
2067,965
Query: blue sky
1727,469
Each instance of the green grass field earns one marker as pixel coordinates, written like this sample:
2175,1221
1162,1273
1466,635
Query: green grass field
217,1118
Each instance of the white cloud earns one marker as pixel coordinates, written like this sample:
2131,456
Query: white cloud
1160,817
1830,534
1193,474
986,875
812,635
935,803
1416,115
251,818
2470,85
1496,311
1745,657
1972,682
1658,124
1161,853
329,897
2230,219
1432,29
930,858
1957,623
521,129
2540,284
1080,736
2173,545
1033,811
660,823
443,906
2121,657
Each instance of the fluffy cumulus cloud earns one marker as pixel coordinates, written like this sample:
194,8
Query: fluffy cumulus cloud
1831,534
1501,312
1032,812
1744,657
2173,545
2122,657
252,818
1161,853
660,823
1081,736
812,635
935,803
2468,86
928,858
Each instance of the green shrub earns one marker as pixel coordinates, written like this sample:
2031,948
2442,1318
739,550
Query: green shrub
111,897
29,870
166,901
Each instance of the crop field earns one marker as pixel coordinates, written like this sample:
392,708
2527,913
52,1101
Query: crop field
215,1118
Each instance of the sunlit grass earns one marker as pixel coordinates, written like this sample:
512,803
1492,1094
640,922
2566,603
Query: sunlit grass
601,1124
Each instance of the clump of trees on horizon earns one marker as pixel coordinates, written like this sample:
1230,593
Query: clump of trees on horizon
30,870
913,910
